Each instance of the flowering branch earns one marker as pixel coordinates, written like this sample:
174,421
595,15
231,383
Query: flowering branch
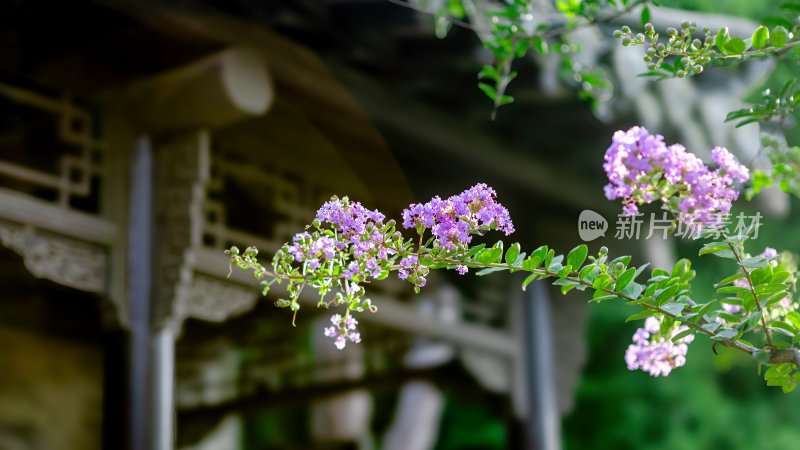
348,247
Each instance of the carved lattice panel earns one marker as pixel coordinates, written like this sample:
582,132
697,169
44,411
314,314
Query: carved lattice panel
49,148
278,206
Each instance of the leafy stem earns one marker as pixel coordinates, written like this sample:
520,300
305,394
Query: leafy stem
575,277
739,262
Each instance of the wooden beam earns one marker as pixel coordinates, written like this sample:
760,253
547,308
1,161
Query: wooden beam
21,208
220,89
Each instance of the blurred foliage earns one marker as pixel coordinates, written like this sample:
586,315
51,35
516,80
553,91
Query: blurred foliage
712,402
467,426
744,8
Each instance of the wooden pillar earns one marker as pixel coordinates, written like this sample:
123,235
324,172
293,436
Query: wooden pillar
162,390
544,420
140,289
172,113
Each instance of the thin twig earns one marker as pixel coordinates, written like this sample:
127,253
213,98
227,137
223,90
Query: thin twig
453,20
753,291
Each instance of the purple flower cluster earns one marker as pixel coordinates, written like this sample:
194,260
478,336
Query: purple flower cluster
356,224
454,220
637,162
360,232
312,251
409,263
351,245
655,354
343,329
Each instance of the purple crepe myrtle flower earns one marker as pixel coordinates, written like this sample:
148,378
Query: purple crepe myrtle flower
641,168
454,220
728,165
408,262
342,330
655,353
359,243
349,218
307,248
769,253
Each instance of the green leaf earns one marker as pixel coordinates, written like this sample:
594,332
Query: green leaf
531,263
770,299
633,290
488,90
722,38
731,279
673,308
680,268
625,260
577,256
474,251
766,289
588,273
512,253
490,255
548,260
682,335
624,280
505,100
645,16
528,280
640,270
703,308
540,252
567,287
640,315
602,281
540,44
754,262
779,37
488,270
725,334
787,86
667,294
489,71
760,37
794,318
784,328
735,46
720,249
732,290
603,298
780,277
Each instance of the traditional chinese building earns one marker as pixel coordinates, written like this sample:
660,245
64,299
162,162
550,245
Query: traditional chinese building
138,140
